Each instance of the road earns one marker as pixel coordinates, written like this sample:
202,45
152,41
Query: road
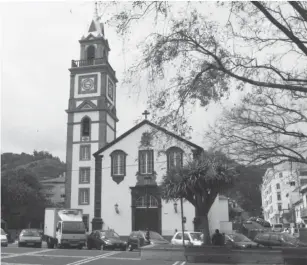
13,255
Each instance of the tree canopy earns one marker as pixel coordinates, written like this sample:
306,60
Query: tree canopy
255,47
199,182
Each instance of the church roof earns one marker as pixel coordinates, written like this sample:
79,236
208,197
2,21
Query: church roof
140,125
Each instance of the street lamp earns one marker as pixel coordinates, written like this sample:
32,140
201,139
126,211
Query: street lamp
175,207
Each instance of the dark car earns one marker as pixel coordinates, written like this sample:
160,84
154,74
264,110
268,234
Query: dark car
238,240
278,240
138,239
105,239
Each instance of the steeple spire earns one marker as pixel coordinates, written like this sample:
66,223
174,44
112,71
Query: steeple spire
96,11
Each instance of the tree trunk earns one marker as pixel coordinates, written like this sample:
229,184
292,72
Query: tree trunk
201,223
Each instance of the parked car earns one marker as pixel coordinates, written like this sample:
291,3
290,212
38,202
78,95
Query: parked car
4,240
238,240
190,238
105,239
30,237
272,239
138,239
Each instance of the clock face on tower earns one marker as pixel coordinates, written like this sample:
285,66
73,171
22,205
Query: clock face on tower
87,84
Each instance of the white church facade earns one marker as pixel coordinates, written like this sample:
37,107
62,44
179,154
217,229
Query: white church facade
115,180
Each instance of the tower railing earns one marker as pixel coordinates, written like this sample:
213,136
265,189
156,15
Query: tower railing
89,62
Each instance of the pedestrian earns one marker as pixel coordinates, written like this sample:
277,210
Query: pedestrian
175,231
217,238
147,235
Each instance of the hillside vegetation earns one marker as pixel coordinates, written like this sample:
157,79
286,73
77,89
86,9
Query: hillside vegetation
22,198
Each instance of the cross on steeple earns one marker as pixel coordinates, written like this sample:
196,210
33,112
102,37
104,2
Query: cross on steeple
145,113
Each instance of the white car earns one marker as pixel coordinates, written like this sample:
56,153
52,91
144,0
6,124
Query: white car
4,241
190,238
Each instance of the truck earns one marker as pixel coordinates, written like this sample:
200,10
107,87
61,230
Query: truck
64,228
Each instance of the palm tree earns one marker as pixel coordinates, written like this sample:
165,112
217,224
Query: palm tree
199,182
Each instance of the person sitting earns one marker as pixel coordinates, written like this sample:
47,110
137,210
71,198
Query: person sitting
218,239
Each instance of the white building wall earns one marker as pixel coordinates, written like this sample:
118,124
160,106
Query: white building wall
113,193
110,135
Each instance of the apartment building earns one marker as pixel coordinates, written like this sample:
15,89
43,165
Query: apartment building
55,189
280,191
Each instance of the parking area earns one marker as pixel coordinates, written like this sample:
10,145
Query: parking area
13,255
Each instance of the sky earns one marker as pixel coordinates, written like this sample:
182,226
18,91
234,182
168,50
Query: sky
37,43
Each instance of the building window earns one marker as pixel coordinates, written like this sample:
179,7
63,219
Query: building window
280,174
90,52
146,165
110,89
292,183
118,163
86,222
278,186
278,196
174,158
279,206
86,127
142,202
84,175
84,196
85,152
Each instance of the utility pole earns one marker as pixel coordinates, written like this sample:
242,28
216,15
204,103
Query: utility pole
182,223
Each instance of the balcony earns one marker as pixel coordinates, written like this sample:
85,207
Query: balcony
304,213
91,62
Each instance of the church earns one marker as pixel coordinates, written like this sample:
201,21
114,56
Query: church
114,180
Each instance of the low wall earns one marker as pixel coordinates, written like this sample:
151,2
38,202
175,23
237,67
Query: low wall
216,255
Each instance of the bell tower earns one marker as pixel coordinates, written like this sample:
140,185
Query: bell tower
91,117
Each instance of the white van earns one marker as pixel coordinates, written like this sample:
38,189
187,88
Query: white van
277,227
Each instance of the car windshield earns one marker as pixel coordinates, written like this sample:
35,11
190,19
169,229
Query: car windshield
2,232
73,228
154,235
196,236
288,238
239,238
30,233
109,234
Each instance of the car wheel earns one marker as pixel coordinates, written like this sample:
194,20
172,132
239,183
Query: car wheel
130,248
123,249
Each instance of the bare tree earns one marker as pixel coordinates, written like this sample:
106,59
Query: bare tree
261,44
267,128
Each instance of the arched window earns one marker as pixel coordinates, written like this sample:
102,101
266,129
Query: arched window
174,158
86,126
90,52
118,163
142,202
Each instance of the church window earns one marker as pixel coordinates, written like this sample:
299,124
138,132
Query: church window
91,52
84,196
142,202
174,158
146,162
84,175
118,163
86,126
110,89
85,152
